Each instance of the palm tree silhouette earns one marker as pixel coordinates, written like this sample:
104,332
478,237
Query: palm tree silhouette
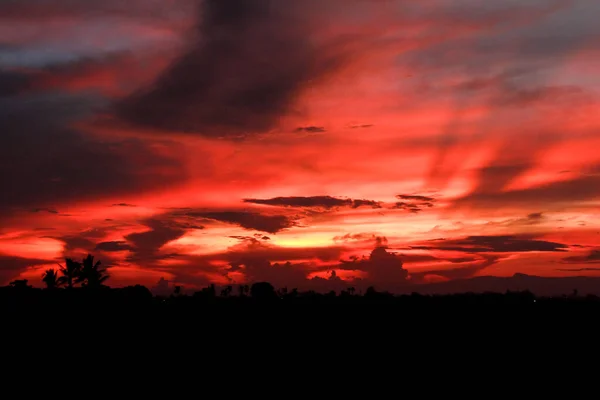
91,276
70,272
51,279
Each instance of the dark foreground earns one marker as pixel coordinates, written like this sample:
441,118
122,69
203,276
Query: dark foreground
264,296
264,318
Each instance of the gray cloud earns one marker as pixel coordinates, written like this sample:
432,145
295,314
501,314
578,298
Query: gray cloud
249,60
46,163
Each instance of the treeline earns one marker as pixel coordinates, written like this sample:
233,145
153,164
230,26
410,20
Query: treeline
22,294
81,284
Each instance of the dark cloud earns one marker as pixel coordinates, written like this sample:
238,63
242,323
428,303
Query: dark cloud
146,245
366,203
582,188
13,83
360,237
420,199
257,269
493,244
248,219
124,205
471,267
326,202
593,257
384,269
248,61
45,162
413,203
311,129
150,10
113,246
365,126
76,243
11,266
312,201
252,248
48,210
257,237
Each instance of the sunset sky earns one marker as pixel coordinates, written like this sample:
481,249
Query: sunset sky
302,142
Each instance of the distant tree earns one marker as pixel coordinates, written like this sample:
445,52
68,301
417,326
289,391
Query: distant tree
70,272
226,291
177,290
263,291
51,279
243,290
90,275
20,284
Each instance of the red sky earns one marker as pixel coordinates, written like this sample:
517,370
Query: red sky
242,140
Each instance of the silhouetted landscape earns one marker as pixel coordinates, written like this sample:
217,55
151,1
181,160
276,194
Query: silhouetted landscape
82,286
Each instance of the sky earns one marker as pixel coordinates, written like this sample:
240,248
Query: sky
311,144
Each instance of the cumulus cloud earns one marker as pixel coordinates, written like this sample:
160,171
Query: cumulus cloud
384,269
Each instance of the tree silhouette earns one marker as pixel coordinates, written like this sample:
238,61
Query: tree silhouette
226,291
20,284
51,279
243,290
263,291
90,275
70,272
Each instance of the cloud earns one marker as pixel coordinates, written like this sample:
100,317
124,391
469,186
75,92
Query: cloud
248,62
494,244
48,210
468,270
578,269
384,269
13,83
420,199
326,202
311,129
413,203
361,237
11,267
123,205
146,245
248,219
113,246
593,257
581,188
47,162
